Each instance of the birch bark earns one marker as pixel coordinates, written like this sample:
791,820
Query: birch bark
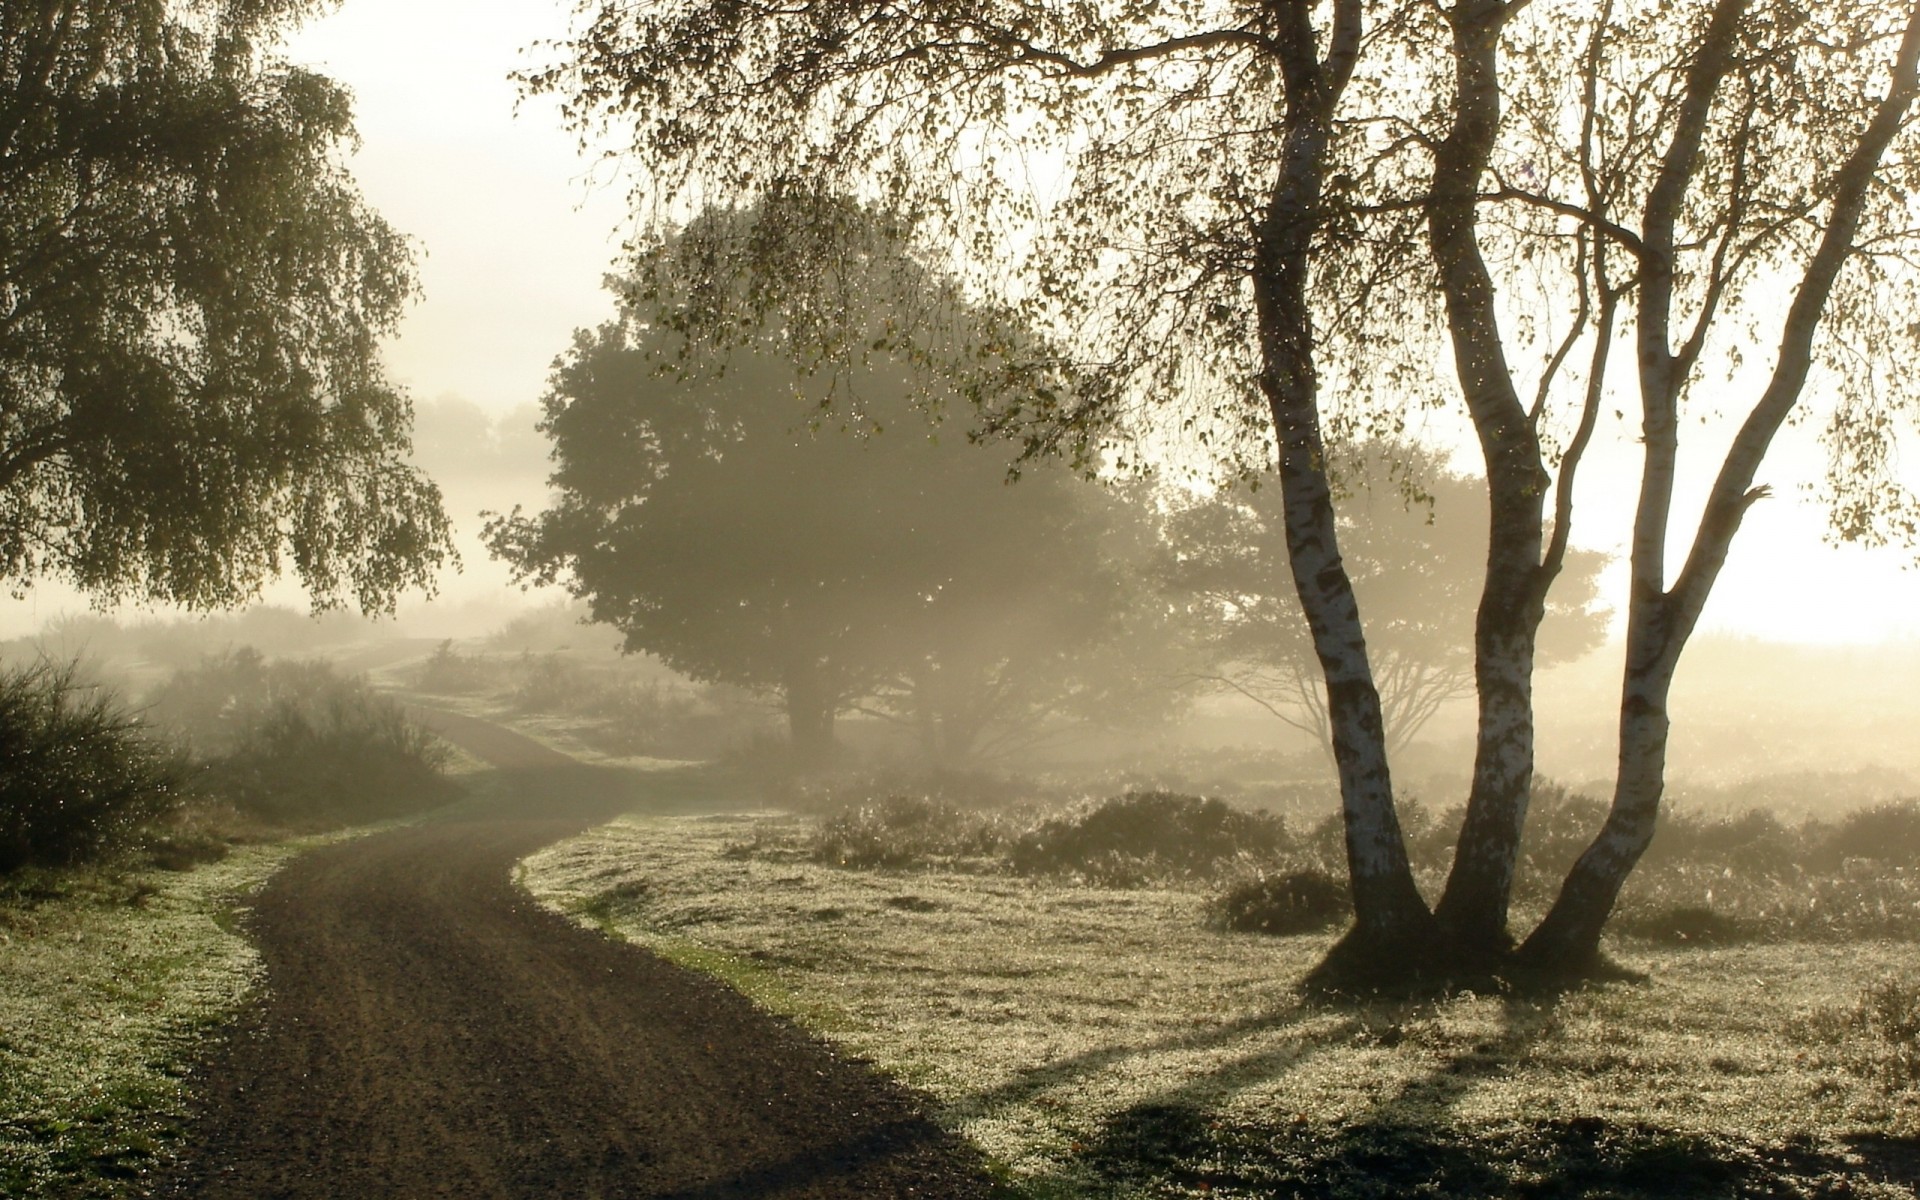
1661,619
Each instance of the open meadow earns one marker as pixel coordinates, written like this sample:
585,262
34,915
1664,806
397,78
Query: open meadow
1100,1040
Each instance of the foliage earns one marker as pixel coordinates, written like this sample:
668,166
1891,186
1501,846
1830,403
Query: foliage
705,510
1413,535
79,775
295,743
1889,831
903,831
191,297
1147,834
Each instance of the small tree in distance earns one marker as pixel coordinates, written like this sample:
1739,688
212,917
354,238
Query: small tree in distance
1414,537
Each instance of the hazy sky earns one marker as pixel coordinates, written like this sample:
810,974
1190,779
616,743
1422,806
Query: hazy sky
517,230
518,235
516,227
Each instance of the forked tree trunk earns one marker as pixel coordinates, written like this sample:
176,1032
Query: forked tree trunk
1660,620
1473,909
1392,925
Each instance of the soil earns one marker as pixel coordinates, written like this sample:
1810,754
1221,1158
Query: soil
426,1030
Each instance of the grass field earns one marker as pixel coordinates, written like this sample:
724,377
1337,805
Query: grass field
109,981
1106,1042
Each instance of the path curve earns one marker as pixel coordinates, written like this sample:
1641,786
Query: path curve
428,1031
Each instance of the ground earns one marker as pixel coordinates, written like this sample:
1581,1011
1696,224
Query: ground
426,1030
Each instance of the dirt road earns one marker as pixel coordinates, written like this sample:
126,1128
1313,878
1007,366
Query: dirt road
427,1031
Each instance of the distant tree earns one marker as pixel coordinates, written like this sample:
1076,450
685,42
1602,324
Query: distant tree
191,297
1414,537
703,510
1049,627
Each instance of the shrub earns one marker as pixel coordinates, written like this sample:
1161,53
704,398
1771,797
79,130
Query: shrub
1560,824
298,744
903,831
1147,834
1753,842
550,683
340,759
449,672
79,776
1294,902
648,717
1878,832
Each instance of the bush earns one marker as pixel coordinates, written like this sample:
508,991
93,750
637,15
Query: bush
905,831
298,744
1294,902
78,775
448,672
1148,834
550,683
1879,833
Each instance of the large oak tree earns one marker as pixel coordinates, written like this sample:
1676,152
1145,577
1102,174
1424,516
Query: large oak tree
715,505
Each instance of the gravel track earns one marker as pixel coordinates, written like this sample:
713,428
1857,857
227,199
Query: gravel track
428,1031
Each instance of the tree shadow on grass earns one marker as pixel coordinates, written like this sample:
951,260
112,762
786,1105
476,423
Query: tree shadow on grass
1411,1143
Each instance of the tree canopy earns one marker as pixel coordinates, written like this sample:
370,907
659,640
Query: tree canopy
191,295
706,507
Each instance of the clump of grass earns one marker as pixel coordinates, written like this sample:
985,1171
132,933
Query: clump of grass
1148,835
1878,1036
1890,1013
79,775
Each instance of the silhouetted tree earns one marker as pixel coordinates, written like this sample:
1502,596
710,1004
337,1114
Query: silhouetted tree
701,509
191,296
1414,538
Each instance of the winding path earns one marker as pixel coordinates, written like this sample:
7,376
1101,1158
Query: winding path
428,1031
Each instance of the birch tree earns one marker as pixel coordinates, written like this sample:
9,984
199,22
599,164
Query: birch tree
1757,190
1269,221
192,295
